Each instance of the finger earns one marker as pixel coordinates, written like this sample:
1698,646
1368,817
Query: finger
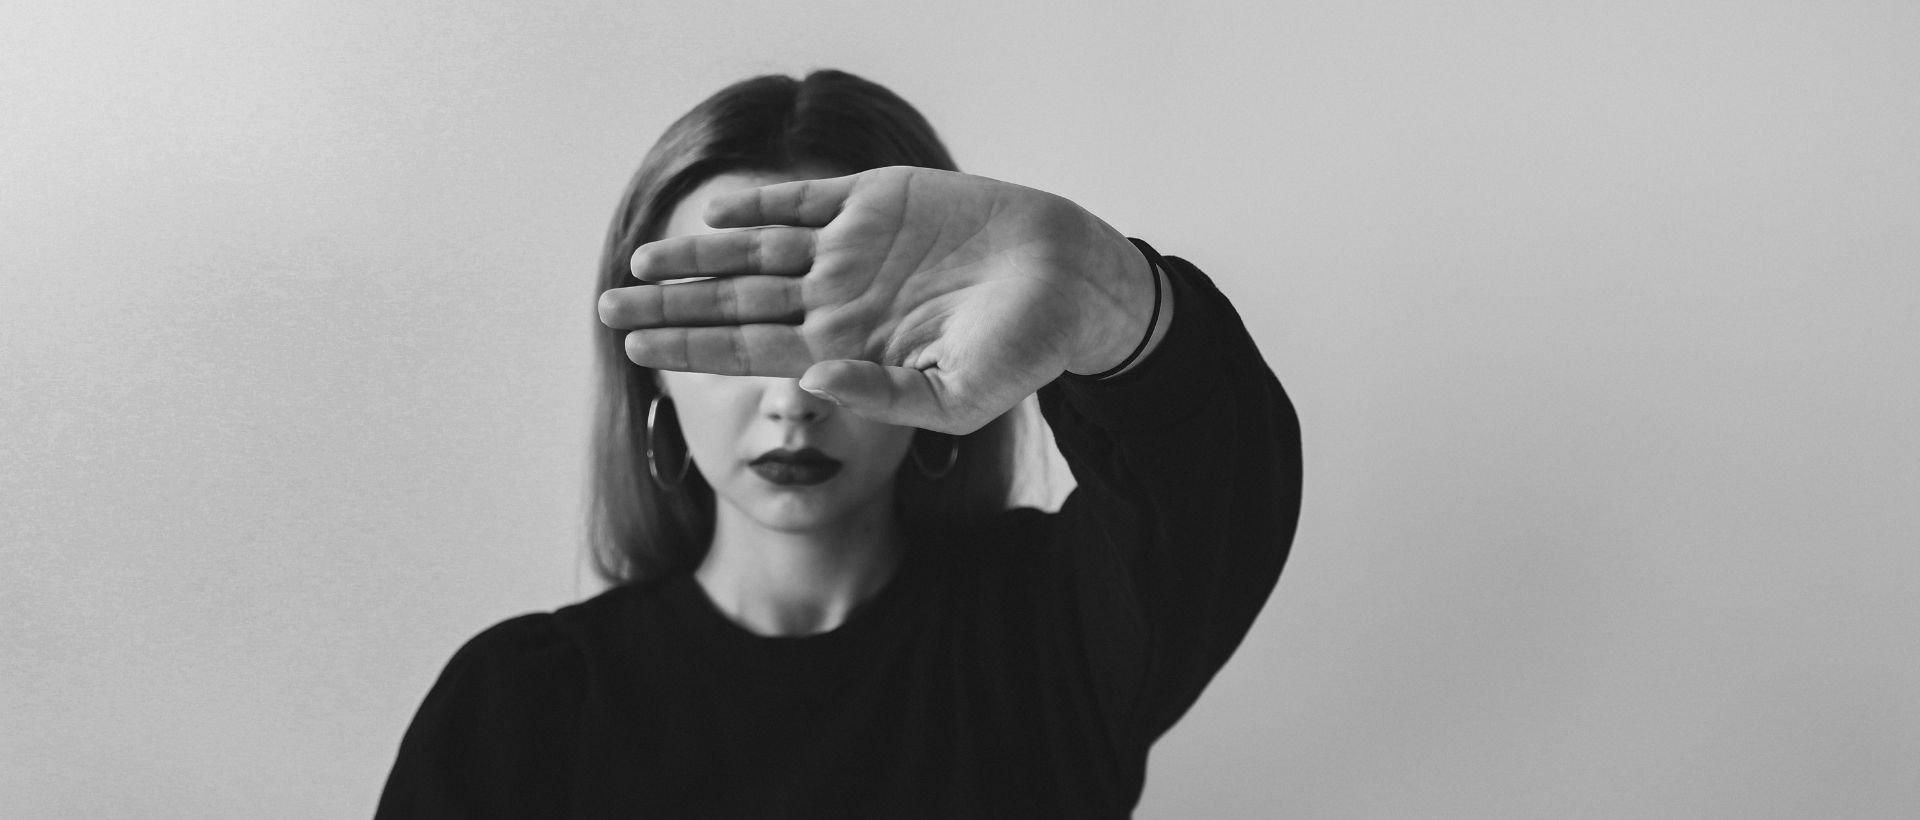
742,350
894,395
808,203
739,300
778,250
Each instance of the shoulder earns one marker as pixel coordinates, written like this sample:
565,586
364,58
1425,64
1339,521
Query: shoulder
525,674
1003,536
520,658
497,730
544,644
532,633
1008,546
537,637
1014,524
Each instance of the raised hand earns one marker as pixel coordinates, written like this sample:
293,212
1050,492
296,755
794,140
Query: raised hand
907,295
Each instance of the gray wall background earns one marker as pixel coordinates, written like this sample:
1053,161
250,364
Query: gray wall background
1600,318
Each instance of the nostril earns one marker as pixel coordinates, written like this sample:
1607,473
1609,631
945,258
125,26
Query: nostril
786,401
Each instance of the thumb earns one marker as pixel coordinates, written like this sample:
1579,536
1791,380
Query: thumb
894,395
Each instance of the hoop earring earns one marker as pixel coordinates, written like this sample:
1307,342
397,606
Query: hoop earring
953,457
686,458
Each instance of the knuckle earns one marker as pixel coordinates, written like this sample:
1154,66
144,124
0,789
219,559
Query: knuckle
792,247
727,301
742,352
795,299
756,251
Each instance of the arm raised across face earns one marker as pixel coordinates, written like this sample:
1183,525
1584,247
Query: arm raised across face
911,296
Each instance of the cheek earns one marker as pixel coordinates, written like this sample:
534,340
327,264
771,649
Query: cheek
706,438
712,426
883,447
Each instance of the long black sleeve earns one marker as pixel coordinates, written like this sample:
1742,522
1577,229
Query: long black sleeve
1189,486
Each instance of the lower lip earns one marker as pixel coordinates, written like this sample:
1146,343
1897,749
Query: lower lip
792,474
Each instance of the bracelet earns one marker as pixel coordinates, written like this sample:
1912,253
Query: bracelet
1153,269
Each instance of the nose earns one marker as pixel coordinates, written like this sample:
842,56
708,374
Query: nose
785,401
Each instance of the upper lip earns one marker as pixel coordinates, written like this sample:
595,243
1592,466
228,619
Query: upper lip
804,455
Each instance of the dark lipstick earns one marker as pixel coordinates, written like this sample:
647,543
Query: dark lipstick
795,467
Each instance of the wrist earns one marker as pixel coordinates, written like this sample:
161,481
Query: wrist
1135,309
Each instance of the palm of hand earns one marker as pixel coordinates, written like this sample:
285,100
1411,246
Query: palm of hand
911,296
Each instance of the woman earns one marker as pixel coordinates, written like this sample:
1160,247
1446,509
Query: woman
822,606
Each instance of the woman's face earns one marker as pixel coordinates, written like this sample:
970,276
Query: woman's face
784,458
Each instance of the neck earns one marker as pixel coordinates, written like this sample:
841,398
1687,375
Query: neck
775,582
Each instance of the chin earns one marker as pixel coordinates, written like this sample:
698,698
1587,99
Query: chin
803,510
794,512
799,524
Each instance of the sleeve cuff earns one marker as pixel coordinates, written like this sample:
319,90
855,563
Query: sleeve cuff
1172,381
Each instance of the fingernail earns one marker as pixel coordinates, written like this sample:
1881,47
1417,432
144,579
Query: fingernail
824,395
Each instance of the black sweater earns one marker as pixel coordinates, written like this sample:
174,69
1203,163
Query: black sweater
1022,670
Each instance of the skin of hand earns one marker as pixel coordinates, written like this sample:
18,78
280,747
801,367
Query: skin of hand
909,296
